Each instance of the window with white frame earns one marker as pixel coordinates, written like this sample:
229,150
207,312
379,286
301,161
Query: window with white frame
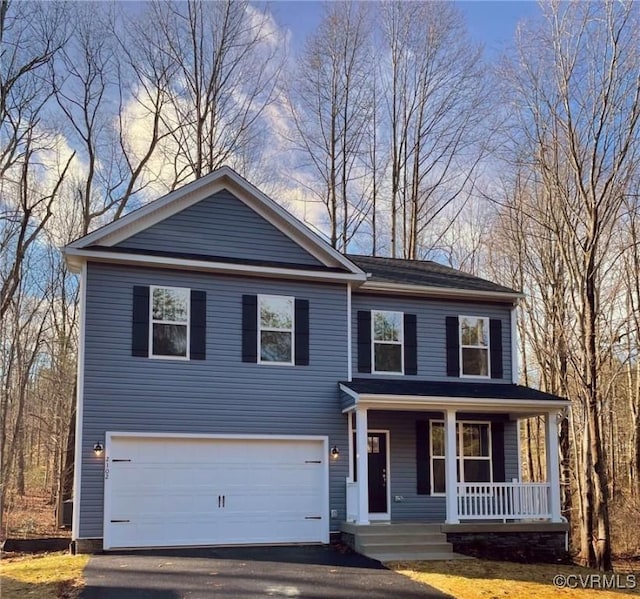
169,319
474,346
387,337
473,453
275,329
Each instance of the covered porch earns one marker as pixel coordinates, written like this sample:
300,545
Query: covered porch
434,468
447,453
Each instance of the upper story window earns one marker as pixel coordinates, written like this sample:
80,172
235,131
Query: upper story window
387,337
474,346
169,331
276,329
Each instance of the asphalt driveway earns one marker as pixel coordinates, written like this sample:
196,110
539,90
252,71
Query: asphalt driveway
245,573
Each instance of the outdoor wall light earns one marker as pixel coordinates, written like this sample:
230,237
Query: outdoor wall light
335,452
98,448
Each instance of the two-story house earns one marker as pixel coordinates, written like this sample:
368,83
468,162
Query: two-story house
240,381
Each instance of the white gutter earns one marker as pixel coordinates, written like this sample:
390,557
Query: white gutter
444,292
76,257
349,336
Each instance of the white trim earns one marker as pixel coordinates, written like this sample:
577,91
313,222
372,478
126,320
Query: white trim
349,336
291,331
400,342
553,465
515,357
450,467
383,516
350,430
77,467
362,458
519,446
192,193
230,436
76,257
462,347
428,290
152,321
110,435
405,402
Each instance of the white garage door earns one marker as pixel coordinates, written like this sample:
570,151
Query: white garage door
171,491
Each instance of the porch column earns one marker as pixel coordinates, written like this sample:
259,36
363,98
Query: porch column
450,466
362,460
553,465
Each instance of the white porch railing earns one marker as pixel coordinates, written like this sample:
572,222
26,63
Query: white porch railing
503,501
352,501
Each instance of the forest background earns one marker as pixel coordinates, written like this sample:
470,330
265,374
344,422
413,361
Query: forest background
389,131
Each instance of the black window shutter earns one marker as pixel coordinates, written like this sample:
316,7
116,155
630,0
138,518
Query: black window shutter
302,332
197,345
423,475
140,323
410,344
249,328
497,451
364,341
495,341
453,346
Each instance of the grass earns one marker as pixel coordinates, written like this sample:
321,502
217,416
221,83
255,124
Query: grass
483,579
48,576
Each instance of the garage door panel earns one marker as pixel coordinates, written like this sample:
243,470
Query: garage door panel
170,491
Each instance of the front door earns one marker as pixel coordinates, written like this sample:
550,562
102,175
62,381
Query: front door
377,450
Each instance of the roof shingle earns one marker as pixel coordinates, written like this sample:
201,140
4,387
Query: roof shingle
423,272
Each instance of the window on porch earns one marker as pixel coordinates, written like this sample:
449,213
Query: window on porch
473,449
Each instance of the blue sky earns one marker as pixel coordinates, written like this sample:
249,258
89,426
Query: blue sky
491,22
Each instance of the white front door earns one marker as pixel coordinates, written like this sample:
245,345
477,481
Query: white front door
179,490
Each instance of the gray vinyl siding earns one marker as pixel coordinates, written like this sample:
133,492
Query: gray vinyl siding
218,395
403,463
511,450
403,467
431,333
221,226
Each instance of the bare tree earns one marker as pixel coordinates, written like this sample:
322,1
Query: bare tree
437,99
227,60
576,90
332,114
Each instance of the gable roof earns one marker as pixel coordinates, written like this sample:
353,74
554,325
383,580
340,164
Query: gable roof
425,276
94,244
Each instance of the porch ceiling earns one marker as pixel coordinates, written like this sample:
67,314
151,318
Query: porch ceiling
394,394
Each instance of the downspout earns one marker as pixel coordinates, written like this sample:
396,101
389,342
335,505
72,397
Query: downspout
349,334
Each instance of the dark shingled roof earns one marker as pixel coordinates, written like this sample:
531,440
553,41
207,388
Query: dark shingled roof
422,272
447,389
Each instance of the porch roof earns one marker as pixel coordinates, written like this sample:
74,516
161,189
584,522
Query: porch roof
434,395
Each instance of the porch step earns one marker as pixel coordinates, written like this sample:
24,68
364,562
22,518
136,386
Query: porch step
401,542
382,546
405,556
407,538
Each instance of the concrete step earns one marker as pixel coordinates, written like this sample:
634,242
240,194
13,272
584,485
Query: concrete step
403,537
408,556
402,527
406,548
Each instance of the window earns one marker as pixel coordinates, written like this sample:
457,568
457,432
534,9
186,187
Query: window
474,346
387,346
275,330
473,452
169,331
